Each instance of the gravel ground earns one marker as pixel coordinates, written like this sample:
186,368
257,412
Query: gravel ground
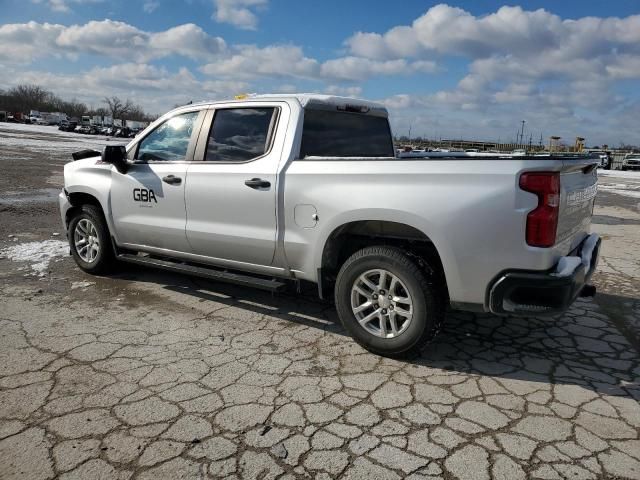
152,376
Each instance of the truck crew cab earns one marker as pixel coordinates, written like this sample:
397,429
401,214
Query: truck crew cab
266,189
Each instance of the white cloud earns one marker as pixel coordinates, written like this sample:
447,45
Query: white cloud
150,6
624,66
63,5
528,43
398,42
238,12
188,40
109,38
352,91
450,30
286,88
250,61
359,68
23,43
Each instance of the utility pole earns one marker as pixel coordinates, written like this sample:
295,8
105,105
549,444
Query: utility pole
410,134
522,132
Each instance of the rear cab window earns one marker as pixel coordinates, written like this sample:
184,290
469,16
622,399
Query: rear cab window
341,133
240,134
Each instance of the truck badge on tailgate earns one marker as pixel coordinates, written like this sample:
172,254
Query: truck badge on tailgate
579,196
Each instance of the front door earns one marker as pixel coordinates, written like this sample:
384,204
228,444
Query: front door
231,195
148,201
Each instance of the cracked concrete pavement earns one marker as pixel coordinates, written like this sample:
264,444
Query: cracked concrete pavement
145,375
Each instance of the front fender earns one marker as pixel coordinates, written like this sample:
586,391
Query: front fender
89,178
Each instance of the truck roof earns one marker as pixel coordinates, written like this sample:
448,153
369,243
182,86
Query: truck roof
308,100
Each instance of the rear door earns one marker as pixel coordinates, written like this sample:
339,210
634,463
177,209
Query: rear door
231,193
147,202
578,188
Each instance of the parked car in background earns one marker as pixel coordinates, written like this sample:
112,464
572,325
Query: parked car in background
67,126
123,132
631,161
605,161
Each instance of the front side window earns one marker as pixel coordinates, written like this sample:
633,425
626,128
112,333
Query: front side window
327,133
170,140
239,134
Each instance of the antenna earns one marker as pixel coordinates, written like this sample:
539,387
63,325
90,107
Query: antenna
522,132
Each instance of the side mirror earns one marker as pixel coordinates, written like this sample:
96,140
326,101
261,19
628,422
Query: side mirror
117,156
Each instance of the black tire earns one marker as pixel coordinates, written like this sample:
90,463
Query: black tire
104,261
428,302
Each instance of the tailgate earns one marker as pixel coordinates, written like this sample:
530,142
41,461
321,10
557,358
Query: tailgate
578,188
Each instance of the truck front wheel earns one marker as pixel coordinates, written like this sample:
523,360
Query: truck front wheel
387,302
90,241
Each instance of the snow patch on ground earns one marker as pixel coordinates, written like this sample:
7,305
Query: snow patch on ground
628,190
619,174
38,254
44,138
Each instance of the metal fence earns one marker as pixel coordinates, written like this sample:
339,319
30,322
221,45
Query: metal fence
616,160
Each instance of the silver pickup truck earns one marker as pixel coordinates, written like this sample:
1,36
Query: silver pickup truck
265,190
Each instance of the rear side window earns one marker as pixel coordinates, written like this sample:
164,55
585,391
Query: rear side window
343,134
170,140
239,134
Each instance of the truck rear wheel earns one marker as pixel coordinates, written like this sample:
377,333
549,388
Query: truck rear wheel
90,241
387,302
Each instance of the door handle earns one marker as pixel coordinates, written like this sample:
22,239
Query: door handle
172,180
257,183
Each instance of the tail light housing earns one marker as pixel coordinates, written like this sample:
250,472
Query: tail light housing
542,222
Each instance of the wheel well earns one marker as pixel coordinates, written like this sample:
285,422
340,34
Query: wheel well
347,239
77,199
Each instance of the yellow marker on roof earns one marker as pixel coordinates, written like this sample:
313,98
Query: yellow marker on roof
242,96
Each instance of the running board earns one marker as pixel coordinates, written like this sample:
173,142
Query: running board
272,285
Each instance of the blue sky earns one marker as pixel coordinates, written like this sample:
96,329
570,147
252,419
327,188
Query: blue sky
472,69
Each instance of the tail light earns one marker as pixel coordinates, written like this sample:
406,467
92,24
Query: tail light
542,222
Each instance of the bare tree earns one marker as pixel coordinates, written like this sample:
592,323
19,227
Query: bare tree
137,113
73,107
117,107
30,97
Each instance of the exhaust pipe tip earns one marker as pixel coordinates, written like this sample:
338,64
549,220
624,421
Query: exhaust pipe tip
588,291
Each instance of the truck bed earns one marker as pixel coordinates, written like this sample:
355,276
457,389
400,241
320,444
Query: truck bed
471,208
